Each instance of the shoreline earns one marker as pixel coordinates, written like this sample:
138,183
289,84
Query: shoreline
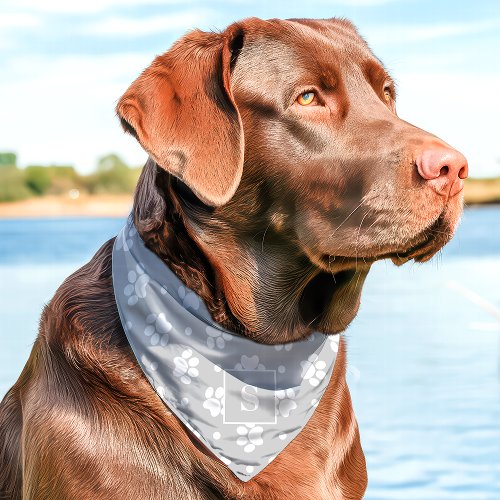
63,206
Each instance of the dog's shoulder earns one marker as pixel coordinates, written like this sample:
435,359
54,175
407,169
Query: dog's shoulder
83,304
81,326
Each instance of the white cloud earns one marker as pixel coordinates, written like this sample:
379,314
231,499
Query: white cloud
387,34
354,3
15,20
148,26
360,3
13,25
85,6
62,111
460,109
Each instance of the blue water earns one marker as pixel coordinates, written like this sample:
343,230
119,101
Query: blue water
424,356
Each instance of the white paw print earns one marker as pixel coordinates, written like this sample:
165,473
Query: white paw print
149,365
189,298
185,366
313,370
287,347
250,436
214,401
216,338
126,242
334,343
136,288
249,363
157,328
286,401
184,403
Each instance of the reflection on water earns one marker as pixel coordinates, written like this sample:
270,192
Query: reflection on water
424,353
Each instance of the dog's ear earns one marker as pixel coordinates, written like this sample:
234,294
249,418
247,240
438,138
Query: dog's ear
182,112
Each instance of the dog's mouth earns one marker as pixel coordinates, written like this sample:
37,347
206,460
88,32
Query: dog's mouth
425,246
420,248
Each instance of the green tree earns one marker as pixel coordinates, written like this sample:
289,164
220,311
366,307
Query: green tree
12,184
113,175
8,159
38,179
63,178
111,163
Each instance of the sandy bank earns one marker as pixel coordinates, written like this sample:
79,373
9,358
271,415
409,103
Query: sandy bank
482,191
63,206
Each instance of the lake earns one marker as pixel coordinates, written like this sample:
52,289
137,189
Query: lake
424,355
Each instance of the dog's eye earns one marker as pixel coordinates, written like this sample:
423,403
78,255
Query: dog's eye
306,98
387,94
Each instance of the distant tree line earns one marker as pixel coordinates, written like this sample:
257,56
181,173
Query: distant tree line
112,175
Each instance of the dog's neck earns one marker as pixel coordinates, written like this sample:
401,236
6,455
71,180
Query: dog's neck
159,218
250,286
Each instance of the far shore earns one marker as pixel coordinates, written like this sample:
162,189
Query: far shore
103,205
477,192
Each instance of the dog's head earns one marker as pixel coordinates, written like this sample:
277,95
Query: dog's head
291,169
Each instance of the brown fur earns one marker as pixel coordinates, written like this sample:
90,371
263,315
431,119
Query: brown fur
258,208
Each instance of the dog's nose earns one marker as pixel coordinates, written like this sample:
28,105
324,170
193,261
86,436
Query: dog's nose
443,168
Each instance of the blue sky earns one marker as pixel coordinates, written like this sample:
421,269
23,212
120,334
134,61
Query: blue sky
66,62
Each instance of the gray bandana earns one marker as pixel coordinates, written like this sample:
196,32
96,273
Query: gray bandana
244,400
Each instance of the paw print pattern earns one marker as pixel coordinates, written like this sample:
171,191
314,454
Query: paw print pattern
185,366
214,401
286,347
286,403
136,287
149,365
334,343
157,328
250,436
313,370
189,299
249,363
125,241
216,338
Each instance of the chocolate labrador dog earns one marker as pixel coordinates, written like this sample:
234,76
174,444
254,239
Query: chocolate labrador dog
279,172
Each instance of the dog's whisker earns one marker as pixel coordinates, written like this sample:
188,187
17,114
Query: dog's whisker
357,281
330,268
263,236
435,231
357,237
344,221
